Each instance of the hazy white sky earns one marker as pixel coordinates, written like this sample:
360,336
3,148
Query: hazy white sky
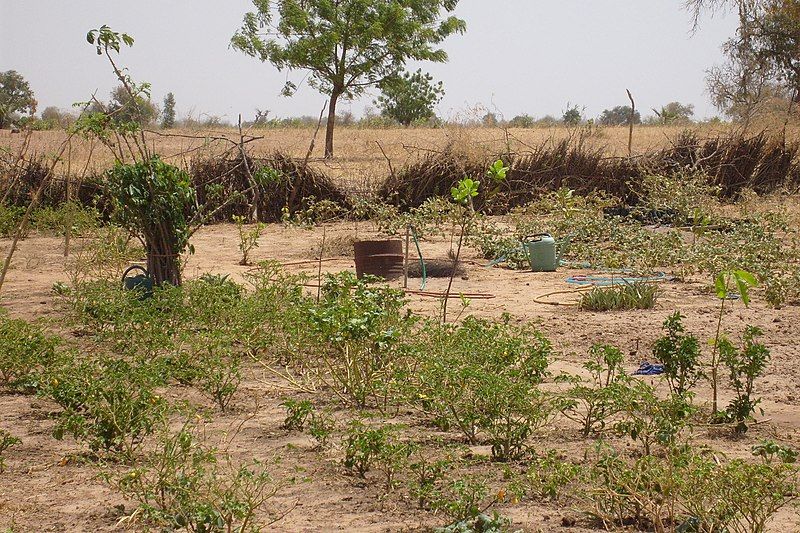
517,56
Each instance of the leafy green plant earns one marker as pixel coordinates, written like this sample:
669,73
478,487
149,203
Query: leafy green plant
107,403
25,351
298,412
592,405
184,483
366,447
651,420
248,238
769,451
7,440
636,295
321,427
10,218
686,490
361,337
152,199
483,376
462,498
426,476
744,366
70,217
219,377
480,524
679,352
743,281
546,477
463,195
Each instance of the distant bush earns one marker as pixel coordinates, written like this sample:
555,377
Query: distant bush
619,116
522,121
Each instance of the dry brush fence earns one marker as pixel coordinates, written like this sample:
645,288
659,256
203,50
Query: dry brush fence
761,162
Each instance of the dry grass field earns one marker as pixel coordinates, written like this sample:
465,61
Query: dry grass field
362,155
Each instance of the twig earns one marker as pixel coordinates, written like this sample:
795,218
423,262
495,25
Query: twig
23,225
314,138
255,210
389,161
319,269
630,123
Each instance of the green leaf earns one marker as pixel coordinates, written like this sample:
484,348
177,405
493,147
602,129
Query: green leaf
747,277
721,285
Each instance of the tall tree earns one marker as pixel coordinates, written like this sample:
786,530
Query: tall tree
127,108
675,112
16,97
168,113
740,85
778,42
410,97
346,45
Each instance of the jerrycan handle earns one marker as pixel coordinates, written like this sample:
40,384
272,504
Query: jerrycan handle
537,236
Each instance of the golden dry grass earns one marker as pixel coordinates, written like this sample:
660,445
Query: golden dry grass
363,156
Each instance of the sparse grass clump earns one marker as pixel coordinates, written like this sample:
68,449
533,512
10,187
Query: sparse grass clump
637,295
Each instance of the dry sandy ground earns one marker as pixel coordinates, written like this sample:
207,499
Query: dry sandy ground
44,490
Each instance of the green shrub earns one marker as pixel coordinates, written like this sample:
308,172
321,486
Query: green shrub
547,477
480,524
55,220
107,403
482,376
679,352
10,218
25,351
366,447
361,339
606,395
7,440
186,484
744,366
298,412
687,491
462,498
651,420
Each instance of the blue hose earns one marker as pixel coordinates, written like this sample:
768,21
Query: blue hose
421,261
608,281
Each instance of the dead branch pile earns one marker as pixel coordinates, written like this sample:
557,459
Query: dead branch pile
761,163
282,183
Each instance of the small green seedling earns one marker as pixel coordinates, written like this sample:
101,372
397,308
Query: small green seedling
498,171
743,281
466,190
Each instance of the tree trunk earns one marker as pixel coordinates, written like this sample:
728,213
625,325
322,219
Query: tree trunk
331,124
163,264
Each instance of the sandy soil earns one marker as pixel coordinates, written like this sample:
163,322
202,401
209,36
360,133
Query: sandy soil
47,487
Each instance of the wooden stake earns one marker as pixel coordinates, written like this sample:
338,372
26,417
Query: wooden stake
630,123
405,260
319,270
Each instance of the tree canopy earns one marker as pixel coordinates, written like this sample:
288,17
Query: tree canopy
675,112
125,109
16,96
346,45
168,113
778,41
618,116
410,97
